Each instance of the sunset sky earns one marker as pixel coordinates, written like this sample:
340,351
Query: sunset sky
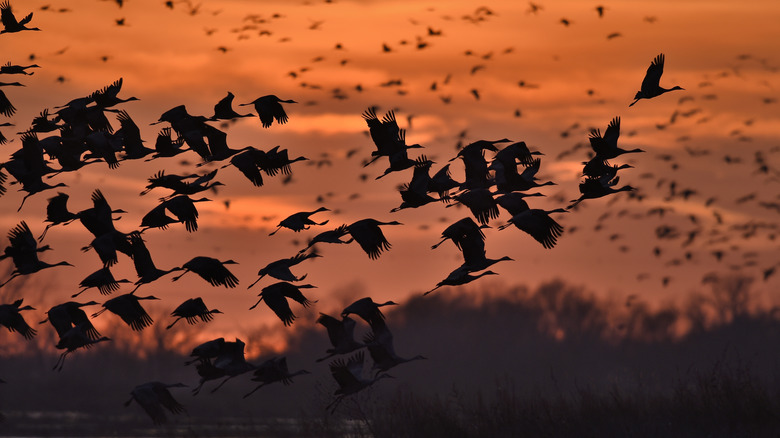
537,79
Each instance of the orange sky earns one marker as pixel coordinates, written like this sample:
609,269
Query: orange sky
721,52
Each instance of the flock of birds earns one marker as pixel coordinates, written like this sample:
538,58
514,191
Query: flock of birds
498,175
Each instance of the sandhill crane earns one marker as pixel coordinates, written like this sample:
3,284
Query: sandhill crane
10,69
269,108
76,337
384,133
596,168
472,245
508,180
107,245
181,206
228,362
142,259
330,236
441,182
349,375
593,188
211,270
606,147
382,352
459,277
399,160
223,110
481,203
6,107
28,167
191,310
341,335
275,296
10,24
131,138
24,253
475,165
166,146
369,236
108,95
415,193
207,350
273,370
536,222
180,184
103,280
98,219
11,319
280,269
511,154
368,310
274,160
129,308
651,83
464,229
67,315
3,139
153,397
168,181
299,221
57,213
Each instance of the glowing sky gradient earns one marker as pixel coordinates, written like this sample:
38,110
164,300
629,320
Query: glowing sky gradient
576,78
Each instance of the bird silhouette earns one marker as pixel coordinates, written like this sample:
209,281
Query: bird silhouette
330,236
269,108
651,83
191,310
368,234
10,24
128,307
108,95
593,188
10,69
349,376
103,280
24,250
606,147
65,316
382,352
536,222
229,362
275,297
130,136
211,270
11,319
299,221
223,110
459,277
368,310
142,259
463,229
57,213
280,269
481,203
341,333
76,337
273,370
155,398
6,107
166,146
474,163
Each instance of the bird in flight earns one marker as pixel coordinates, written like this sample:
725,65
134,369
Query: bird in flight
10,24
650,84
